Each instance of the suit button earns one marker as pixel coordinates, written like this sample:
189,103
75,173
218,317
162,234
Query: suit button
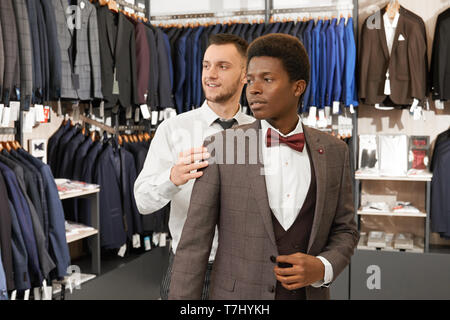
273,259
271,289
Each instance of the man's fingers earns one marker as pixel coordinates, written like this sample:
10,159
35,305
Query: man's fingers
195,175
288,259
187,153
195,166
193,157
293,286
289,279
286,271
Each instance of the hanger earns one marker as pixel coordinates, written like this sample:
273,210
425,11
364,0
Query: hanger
112,5
7,146
392,8
16,145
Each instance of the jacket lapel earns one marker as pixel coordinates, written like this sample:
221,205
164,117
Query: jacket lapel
399,30
318,157
382,36
258,187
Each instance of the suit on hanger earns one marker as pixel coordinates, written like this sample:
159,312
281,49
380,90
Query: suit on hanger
43,94
118,57
2,62
54,50
107,174
349,89
315,64
307,38
331,60
235,198
35,46
440,75
5,236
58,248
81,76
11,80
25,53
323,65
25,222
19,253
408,77
340,61
440,184
181,71
153,71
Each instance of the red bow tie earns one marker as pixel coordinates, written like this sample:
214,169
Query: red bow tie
296,141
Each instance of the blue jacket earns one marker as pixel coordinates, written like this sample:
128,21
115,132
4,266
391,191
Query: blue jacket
331,61
340,60
181,71
323,65
3,288
349,90
308,46
315,62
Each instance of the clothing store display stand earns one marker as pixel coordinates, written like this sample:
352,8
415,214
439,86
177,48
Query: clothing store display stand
426,215
93,235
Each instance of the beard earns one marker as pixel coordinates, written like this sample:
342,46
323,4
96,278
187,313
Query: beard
225,95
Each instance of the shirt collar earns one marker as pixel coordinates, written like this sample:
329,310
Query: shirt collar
210,116
298,129
387,21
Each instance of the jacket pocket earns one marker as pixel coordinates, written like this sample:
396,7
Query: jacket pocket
225,283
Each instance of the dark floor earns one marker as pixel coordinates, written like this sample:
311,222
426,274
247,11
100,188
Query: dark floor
135,277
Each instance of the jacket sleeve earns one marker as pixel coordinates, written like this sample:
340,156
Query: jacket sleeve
364,61
193,251
153,188
94,56
343,236
417,66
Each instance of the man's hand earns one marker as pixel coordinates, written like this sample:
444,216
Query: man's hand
182,172
305,271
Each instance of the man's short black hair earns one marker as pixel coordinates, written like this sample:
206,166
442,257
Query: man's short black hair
228,38
285,47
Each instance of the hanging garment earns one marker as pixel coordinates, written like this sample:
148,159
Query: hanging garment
440,60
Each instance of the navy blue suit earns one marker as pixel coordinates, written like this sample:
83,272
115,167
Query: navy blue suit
58,248
164,86
24,217
440,186
52,146
181,71
19,253
107,174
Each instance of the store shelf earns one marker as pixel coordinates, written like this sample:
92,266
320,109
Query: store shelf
422,177
392,214
416,249
81,235
70,195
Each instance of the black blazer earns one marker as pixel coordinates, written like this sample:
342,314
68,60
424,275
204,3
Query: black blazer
440,75
117,52
35,45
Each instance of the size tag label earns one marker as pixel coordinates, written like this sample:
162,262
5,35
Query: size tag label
336,107
6,116
122,251
145,112
147,244
39,112
115,83
15,109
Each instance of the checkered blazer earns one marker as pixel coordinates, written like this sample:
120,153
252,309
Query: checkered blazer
11,49
234,197
25,52
87,60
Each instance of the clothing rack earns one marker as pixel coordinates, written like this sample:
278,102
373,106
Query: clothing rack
135,8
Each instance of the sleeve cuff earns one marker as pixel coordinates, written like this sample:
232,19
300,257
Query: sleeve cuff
328,277
166,187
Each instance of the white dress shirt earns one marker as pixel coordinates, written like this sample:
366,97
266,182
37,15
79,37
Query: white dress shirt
390,28
153,188
288,177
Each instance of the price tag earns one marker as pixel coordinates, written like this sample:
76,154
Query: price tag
15,109
6,116
145,111
39,112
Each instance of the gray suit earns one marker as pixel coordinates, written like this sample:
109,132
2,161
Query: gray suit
25,53
86,64
234,197
11,48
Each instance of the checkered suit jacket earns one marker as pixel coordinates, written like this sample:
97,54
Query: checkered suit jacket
86,64
11,78
234,197
25,53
